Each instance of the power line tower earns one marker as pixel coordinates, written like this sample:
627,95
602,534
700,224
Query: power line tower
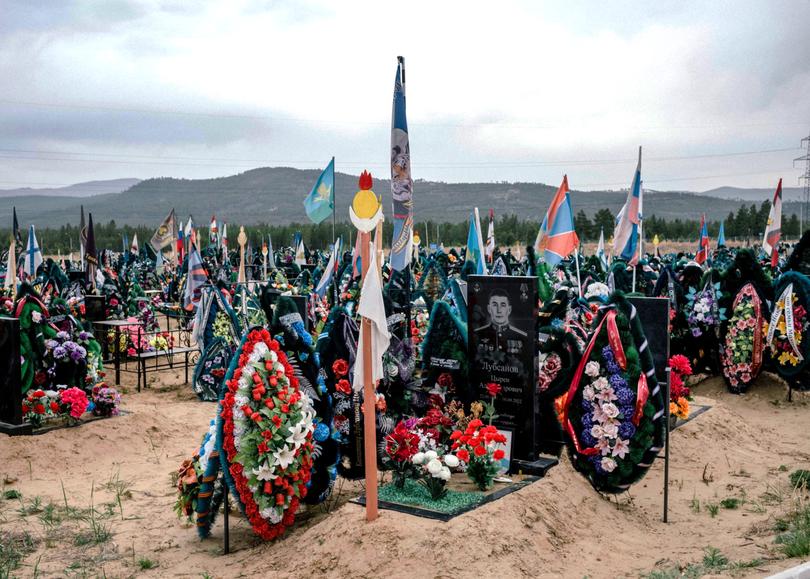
805,208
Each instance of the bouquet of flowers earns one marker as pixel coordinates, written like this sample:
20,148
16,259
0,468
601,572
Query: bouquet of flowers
679,393
400,446
105,400
704,314
741,354
477,447
40,405
434,471
73,402
188,487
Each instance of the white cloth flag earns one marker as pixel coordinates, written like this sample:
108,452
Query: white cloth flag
372,307
11,270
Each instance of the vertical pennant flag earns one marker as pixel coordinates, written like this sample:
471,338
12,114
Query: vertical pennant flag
197,276
320,203
180,245
773,230
628,222
703,244
90,257
300,252
490,248
475,244
15,229
10,282
357,262
270,255
134,247
557,238
401,181
600,249
166,233
33,254
82,238
721,236
330,270
225,258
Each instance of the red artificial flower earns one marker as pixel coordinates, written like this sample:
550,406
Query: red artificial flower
498,454
40,378
445,380
343,386
340,368
54,407
26,409
455,435
479,450
475,423
381,404
462,454
493,389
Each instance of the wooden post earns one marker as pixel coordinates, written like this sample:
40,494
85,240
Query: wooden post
369,398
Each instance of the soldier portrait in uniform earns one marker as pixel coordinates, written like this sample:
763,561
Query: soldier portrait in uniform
499,334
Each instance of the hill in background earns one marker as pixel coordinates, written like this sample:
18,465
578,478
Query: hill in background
275,195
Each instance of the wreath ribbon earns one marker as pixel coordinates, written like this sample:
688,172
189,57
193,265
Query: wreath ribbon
786,299
614,339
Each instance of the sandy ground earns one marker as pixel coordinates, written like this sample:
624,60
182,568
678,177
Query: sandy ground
744,447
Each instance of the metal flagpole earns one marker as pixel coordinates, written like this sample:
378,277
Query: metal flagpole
334,200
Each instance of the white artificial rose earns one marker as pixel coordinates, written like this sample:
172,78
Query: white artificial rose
588,393
430,455
444,474
434,466
608,464
451,460
592,369
418,458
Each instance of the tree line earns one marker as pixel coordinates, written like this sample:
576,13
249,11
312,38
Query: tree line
747,224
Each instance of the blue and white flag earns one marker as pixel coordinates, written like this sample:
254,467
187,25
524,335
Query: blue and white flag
271,258
33,254
475,245
628,222
401,181
600,249
320,203
197,276
721,236
329,272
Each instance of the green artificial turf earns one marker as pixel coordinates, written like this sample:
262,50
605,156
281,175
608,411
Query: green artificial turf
416,495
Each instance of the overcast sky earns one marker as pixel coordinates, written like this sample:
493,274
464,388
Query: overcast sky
506,91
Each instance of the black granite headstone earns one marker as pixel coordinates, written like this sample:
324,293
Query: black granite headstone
502,314
653,313
95,308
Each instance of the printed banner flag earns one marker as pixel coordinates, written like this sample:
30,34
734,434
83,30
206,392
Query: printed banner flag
628,222
773,231
197,276
490,249
166,233
557,238
213,231
600,250
134,247
329,272
401,181
721,236
320,203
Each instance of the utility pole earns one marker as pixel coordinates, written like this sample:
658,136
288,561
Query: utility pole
805,208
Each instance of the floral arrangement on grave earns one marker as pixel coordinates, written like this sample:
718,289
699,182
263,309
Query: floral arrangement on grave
477,446
419,327
66,360
679,393
266,435
400,447
788,331
105,399
199,488
433,471
704,314
35,328
743,346
40,405
613,409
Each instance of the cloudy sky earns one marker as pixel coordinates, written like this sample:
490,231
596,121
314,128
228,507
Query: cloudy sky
718,93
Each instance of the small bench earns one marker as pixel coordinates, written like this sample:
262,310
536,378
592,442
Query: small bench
142,357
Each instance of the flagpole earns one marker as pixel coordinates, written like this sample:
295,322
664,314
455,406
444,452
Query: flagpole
334,200
579,282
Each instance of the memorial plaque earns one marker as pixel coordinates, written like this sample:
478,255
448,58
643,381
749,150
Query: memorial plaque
270,297
95,308
654,316
502,314
10,379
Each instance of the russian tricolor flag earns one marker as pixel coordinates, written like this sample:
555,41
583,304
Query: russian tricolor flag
628,222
